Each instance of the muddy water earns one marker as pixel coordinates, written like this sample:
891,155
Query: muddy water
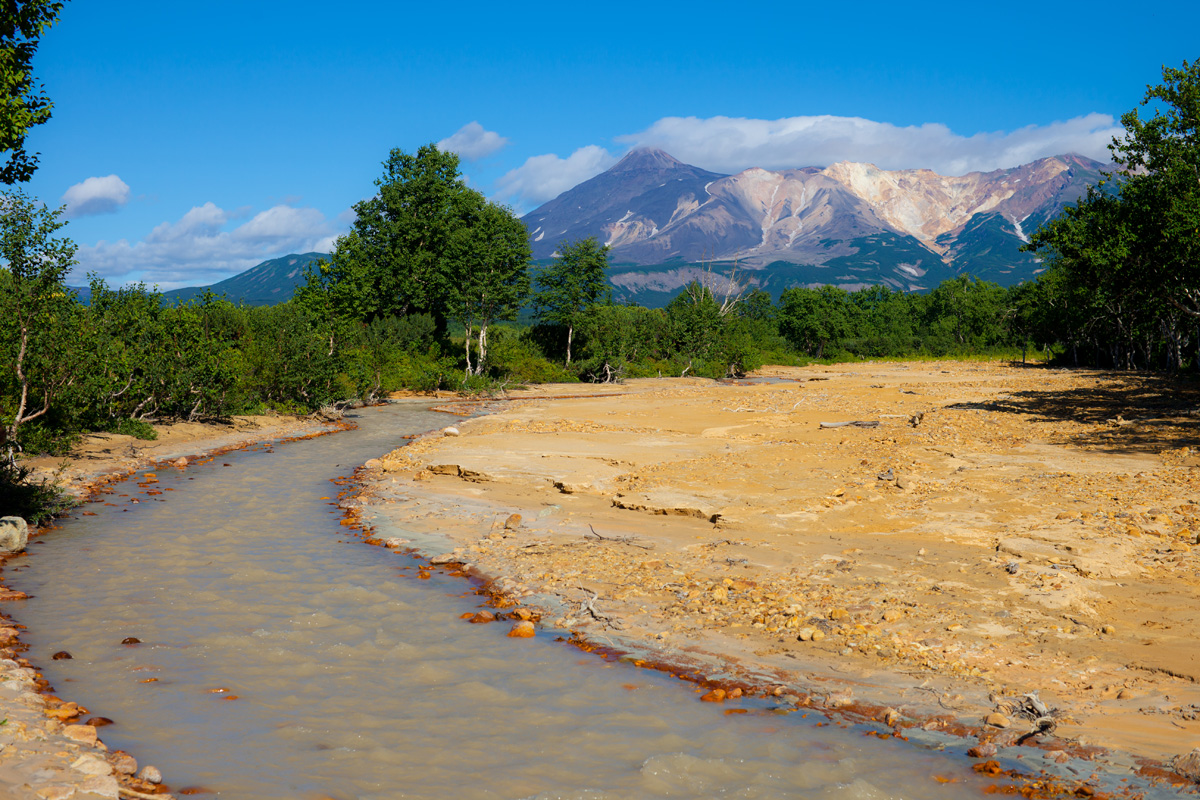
353,679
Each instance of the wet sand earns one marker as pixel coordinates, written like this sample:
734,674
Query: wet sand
991,531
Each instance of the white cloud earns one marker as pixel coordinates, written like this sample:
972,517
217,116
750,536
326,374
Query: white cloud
473,142
544,177
200,248
96,196
731,144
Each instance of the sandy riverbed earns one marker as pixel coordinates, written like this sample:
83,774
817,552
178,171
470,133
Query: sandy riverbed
1003,530
49,747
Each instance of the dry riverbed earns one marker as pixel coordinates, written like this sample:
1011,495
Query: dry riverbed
1006,553
49,747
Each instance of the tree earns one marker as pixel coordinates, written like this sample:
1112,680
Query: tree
396,260
37,311
813,320
1125,260
575,280
23,103
489,259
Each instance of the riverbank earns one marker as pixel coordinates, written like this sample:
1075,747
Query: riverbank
975,535
49,747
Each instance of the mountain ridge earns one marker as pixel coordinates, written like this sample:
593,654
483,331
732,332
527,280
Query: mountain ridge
853,218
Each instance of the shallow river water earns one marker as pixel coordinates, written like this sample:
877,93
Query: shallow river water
355,680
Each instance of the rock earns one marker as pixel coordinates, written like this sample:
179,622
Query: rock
373,463
522,630
395,541
1188,765
1126,694
482,617
997,720
905,482
1108,630
523,614
56,791
14,534
715,696
810,634
131,640
180,462
839,613
150,774
89,764
451,431
890,717
102,785
84,734
444,558
124,763
61,655
982,750
892,614
512,523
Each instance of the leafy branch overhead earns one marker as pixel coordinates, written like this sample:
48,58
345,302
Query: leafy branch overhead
23,103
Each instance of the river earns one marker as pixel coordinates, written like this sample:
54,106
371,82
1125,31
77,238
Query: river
281,657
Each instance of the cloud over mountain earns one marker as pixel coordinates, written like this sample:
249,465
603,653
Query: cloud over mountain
96,196
473,142
201,247
731,144
543,177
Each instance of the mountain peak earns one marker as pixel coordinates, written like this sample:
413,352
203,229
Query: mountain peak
641,158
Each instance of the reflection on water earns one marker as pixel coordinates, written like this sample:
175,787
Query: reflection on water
280,659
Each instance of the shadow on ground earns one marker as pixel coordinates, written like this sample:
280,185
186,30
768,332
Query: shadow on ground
1134,413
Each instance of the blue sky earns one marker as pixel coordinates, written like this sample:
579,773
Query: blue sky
192,141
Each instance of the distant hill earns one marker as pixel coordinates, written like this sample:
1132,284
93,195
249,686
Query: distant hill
271,282
848,224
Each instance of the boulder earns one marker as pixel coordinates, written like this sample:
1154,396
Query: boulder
14,534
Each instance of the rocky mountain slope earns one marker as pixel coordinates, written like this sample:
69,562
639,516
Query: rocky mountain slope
848,224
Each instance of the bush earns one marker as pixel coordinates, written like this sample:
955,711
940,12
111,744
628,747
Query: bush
24,497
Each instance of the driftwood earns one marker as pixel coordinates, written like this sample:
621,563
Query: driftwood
629,540
858,423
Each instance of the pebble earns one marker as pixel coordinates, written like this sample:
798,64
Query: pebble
997,720
179,462
715,696
522,630
150,774
982,750
124,763
892,614
839,613
1108,630
810,634
512,523
451,431
891,717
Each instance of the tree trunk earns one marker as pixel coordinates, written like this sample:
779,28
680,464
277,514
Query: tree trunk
482,349
570,337
467,344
